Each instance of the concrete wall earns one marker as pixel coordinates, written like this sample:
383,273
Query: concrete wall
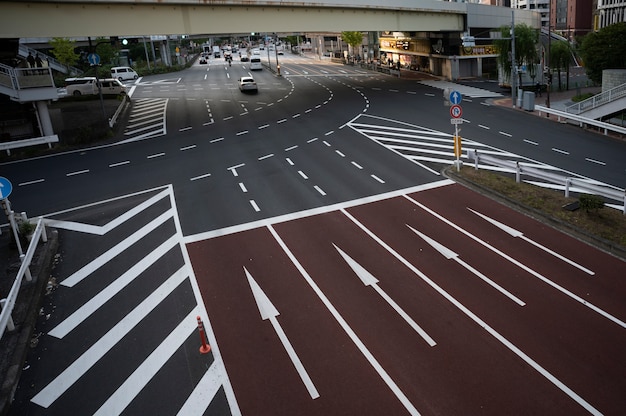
611,78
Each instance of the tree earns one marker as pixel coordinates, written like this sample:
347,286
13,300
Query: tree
106,51
63,51
560,58
526,39
604,49
352,38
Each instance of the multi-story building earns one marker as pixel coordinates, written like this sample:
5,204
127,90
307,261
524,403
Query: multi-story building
571,18
608,12
541,6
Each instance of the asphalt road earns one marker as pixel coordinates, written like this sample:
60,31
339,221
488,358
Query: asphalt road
335,270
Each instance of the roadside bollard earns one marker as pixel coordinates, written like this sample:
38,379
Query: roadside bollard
205,347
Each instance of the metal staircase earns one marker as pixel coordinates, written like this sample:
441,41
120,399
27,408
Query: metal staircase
24,50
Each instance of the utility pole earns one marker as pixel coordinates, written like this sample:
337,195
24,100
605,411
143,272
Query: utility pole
513,63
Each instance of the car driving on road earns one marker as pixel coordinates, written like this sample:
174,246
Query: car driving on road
247,84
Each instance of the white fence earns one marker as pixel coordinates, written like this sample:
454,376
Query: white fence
7,304
29,142
569,183
598,100
581,121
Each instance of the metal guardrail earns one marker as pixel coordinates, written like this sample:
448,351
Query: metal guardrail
598,100
7,304
569,183
582,121
113,119
29,142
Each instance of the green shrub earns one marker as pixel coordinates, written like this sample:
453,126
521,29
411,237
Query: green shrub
590,202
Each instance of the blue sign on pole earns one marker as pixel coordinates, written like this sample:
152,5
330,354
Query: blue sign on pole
5,187
93,59
455,97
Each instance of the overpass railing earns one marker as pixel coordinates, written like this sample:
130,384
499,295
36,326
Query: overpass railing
597,100
580,120
7,304
570,184
21,78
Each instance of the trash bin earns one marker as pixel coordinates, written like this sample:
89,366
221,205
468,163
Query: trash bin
529,101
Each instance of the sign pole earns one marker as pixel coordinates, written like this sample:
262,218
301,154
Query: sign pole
456,111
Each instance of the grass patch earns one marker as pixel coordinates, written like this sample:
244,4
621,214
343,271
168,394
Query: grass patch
606,223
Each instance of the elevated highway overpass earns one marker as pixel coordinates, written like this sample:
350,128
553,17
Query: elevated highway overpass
74,18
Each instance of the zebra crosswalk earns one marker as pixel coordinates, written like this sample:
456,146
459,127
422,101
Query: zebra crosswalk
135,305
147,119
434,149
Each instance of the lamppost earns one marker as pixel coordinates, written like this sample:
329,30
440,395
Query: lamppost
549,84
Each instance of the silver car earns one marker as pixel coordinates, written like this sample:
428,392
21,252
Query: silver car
247,84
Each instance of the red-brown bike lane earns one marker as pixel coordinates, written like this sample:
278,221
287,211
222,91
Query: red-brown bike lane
574,335
408,340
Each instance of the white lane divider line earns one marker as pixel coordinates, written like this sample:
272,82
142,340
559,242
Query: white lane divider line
515,233
521,265
449,254
78,172
471,314
318,189
377,178
347,329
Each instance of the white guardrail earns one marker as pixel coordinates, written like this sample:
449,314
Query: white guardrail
7,304
582,121
569,183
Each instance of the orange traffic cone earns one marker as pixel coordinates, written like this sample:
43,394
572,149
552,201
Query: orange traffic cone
205,347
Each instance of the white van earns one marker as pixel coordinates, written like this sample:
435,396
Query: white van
255,63
123,73
111,86
88,86
80,86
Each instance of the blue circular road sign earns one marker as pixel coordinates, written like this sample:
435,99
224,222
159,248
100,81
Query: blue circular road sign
455,97
5,187
93,59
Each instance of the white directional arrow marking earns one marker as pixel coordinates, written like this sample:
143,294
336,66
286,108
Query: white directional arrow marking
449,254
369,280
268,311
515,233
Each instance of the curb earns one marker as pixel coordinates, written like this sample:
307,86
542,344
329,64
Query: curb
20,342
575,232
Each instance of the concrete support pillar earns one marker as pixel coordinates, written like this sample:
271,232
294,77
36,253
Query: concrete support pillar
43,115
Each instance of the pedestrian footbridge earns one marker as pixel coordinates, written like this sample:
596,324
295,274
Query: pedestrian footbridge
601,105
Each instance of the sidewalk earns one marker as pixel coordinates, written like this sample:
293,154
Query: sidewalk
559,100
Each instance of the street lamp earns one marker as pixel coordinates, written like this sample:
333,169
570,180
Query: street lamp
549,83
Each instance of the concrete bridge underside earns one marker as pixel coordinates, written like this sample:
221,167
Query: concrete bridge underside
47,19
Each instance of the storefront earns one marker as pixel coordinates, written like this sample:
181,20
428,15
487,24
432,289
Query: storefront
439,54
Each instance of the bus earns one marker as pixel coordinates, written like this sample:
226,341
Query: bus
255,63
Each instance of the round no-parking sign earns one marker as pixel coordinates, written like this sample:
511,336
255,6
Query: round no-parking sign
455,111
